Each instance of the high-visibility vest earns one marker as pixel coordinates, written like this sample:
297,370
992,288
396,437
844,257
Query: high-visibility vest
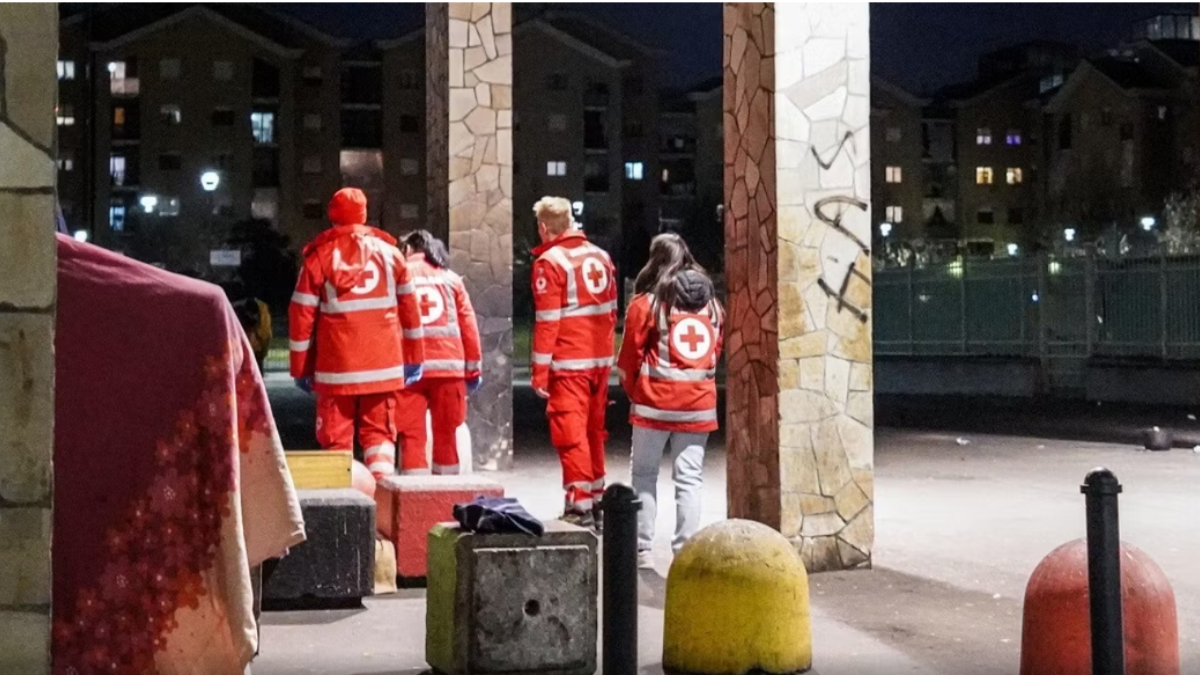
353,298
451,335
675,388
575,303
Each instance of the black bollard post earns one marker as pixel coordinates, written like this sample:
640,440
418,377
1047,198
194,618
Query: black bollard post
1104,572
620,505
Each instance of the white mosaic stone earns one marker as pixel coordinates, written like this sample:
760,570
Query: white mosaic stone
822,53
829,107
24,165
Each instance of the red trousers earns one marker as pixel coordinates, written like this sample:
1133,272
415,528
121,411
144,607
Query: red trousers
576,409
375,416
446,400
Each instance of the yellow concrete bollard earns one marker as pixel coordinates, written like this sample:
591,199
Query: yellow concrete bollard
737,602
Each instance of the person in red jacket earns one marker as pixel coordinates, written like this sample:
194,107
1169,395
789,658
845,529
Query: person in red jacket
575,303
353,297
668,366
452,359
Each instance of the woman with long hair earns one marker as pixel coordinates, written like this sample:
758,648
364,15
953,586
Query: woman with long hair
667,366
452,359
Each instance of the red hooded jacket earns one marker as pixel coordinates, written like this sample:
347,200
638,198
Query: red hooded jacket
352,300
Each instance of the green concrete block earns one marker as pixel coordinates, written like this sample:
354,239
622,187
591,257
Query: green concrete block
512,603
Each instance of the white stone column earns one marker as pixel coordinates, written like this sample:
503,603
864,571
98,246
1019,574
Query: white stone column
798,269
28,92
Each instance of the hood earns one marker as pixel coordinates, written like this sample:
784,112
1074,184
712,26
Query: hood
348,207
693,290
560,239
346,264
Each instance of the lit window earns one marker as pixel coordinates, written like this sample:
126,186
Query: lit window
409,211
312,73
893,134
894,214
170,161
171,114
116,216
119,83
66,70
116,169
168,206
1162,112
634,170
1013,137
666,175
262,124
168,69
312,121
119,116
65,115
983,136
1014,176
66,162
312,165
409,167
556,168
223,70
558,122
983,175
894,174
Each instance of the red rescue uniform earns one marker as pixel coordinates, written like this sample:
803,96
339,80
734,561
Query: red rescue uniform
452,356
352,299
668,365
575,302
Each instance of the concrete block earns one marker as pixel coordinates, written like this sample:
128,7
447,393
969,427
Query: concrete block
512,603
336,565
406,507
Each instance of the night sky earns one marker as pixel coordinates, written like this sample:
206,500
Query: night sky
918,46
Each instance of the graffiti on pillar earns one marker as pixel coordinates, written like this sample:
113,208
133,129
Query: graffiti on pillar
831,210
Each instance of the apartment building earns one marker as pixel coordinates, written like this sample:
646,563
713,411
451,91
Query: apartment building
174,120
897,162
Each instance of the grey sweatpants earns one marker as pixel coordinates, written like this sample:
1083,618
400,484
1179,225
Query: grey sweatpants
687,453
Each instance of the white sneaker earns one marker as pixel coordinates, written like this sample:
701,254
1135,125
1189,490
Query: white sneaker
645,560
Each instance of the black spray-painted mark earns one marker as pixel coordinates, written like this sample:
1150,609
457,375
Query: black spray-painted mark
830,211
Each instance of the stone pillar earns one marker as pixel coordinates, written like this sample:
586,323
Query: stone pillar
469,101
798,265
28,92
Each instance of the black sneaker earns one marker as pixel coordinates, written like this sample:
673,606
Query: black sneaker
584,520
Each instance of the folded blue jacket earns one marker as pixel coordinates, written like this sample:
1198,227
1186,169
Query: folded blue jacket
497,515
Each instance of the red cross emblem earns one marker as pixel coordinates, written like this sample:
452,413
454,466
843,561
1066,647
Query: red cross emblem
594,276
691,339
429,301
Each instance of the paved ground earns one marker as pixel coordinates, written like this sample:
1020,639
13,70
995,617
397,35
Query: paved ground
959,530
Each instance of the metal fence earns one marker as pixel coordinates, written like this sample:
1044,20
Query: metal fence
1061,310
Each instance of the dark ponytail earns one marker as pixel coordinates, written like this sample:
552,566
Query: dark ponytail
421,241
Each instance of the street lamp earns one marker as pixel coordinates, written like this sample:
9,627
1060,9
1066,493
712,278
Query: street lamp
1013,249
1148,223
81,235
209,180
1069,234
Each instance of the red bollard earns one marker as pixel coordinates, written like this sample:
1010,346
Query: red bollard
1056,637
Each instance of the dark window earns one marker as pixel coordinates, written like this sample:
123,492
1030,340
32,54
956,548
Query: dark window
985,217
222,117
635,85
264,81
313,211
362,85
126,121
634,129
362,129
593,130
170,161
222,160
409,124
1106,117
557,81
596,95
410,79
1064,133
595,175
266,167
1126,131
1016,216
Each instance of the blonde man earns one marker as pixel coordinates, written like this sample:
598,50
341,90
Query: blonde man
575,302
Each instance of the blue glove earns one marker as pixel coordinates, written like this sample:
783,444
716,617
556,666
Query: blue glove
305,384
412,374
474,384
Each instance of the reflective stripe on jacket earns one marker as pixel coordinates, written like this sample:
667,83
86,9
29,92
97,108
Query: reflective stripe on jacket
451,335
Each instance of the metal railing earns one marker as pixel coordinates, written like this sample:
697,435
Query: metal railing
1061,310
